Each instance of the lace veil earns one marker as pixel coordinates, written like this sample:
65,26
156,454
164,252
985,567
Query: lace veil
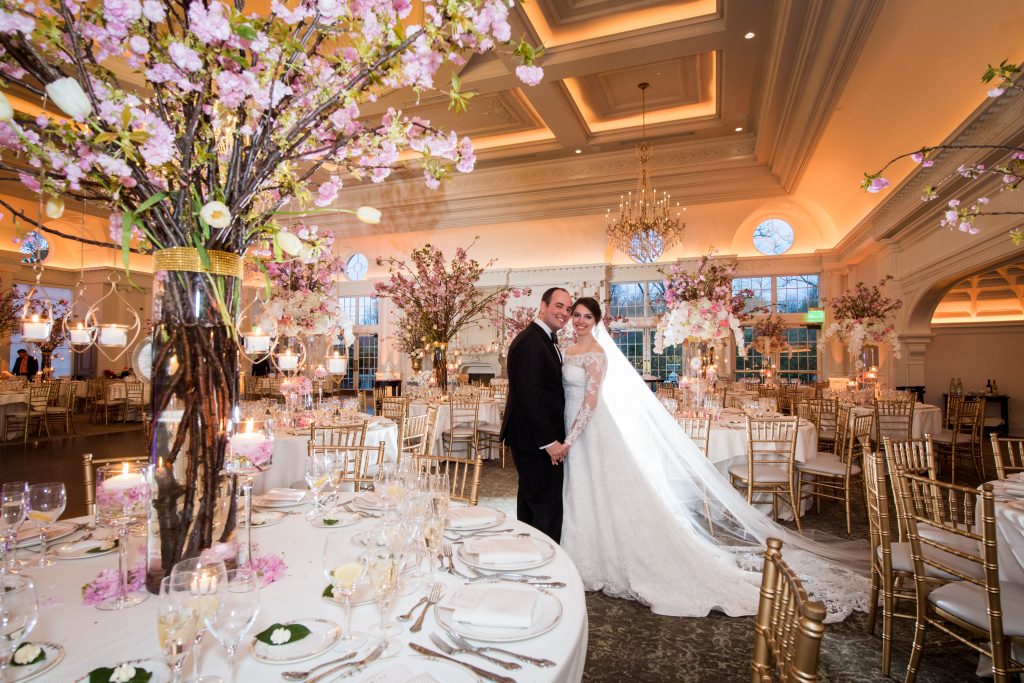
832,570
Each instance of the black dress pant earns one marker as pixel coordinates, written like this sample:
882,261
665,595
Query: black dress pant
539,502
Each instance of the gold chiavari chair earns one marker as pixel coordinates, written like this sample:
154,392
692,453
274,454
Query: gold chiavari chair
353,434
951,417
490,432
113,400
352,464
418,439
463,473
134,393
894,419
770,467
835,474
1008,454
464,410
963,440
396,409
381,393
828,411
34,412
59,413
915,456
90,464
699,431
976,609
789,627
366,400
665,392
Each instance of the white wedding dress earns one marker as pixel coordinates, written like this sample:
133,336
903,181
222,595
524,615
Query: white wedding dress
639,499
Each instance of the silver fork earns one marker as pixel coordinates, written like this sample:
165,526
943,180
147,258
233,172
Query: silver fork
374,654
449,650
466,645
435,595
302,675
446,554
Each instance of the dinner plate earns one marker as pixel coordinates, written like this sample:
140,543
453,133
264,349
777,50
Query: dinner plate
362,596
161,672
547,551
546,615
339,520
28,534
323,634
54,653
266,518
498,517
84,549
390,669
268,501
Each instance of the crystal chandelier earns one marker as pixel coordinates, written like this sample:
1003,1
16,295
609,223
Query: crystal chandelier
646,225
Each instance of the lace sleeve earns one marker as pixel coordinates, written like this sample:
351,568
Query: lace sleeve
595,365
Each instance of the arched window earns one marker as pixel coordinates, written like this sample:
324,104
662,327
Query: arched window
356,267
35,247
773,237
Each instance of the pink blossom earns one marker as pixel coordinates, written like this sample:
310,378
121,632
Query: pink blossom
210,26
328,192
107,584
153,10
138,44
161,73
31,182
996,92
877,185
233,88
530,75
122,11
16,22
185,57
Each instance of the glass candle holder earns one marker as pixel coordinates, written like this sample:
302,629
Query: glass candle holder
123,496
250,451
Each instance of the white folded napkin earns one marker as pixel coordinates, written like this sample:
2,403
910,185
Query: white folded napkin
290,495
465,518
400,674
369,500
494,606
503,550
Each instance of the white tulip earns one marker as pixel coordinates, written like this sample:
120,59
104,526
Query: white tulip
368,214
289,243
216,214
54,207
6,110
67,94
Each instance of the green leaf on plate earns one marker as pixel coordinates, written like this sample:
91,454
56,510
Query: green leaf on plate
103,674
103,548
328,592
39,657
297,631
329,522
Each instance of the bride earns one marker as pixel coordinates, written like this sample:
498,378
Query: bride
648,518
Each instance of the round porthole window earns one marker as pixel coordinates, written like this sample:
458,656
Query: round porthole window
35,248
773,237
356,267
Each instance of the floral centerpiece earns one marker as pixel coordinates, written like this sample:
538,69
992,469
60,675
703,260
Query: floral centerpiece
861,315
197,124
770,336
701,307
437,299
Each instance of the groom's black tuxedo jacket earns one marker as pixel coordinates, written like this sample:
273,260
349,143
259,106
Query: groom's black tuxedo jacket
535,411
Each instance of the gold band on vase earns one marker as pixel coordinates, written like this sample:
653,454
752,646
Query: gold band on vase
187,259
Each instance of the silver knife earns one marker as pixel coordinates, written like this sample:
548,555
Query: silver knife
356,666
510,576
482,673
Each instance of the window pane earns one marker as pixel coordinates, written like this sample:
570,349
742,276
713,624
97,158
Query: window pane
749,364
367,311
362,365
668,364
631,343
796,292
761,286
350,305
628,299
801,363
656,297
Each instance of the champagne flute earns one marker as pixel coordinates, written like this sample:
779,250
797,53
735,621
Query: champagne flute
13,501
319,472
238,603
202,576
46,503
434,523
177,621
19,612
344,572
382,566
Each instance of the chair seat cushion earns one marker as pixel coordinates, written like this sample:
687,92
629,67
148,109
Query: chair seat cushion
763,474
901,562
966,601
961,543
827,464
827,433
946,436
489,427
459,432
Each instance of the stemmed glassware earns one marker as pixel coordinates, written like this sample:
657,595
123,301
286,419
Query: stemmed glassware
19,612
434,523
250,451
46,503
122,497
13,506
238,603
177,620
344,572
388,484
319,472
203,578
382,567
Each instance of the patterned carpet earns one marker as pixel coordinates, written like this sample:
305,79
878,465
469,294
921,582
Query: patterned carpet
629,642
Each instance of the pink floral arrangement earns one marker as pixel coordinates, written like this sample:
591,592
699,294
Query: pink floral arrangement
270,568
862,315
770,335
300,385
118,502
107,584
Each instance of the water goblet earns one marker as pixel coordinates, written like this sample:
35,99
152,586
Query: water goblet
344,571
250,451
19,611
46,503
122,498
238,603
202,576
177,621
13,505
319,472
382,568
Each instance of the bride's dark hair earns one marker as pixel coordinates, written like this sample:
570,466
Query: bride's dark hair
591,305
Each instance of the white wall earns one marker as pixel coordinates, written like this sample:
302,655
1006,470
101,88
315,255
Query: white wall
976,353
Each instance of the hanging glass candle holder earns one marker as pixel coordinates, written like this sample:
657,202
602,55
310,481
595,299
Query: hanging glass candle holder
291,357
119,337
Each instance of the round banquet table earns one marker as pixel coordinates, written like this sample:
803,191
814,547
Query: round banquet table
489,412
290,450
1009,495
93,638
927,419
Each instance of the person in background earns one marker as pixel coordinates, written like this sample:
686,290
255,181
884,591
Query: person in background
25,365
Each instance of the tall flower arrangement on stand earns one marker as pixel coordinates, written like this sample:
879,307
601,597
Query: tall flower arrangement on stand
197,124
770,341
438,298
862,315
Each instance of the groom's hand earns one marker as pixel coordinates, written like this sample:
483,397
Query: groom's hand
556,452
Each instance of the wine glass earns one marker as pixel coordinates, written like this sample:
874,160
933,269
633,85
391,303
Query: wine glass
177,620
13,504
19,612
250,451
202,576
434,523
46,503
122,497
238,603
382,567
344,572
319,472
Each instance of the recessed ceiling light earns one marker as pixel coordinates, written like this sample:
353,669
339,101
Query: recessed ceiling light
579,151
739,129
749,35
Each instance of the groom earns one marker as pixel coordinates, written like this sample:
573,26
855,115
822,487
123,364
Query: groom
534,424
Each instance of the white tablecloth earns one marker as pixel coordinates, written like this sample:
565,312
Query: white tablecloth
93,638
927,419
489,412
1010,529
